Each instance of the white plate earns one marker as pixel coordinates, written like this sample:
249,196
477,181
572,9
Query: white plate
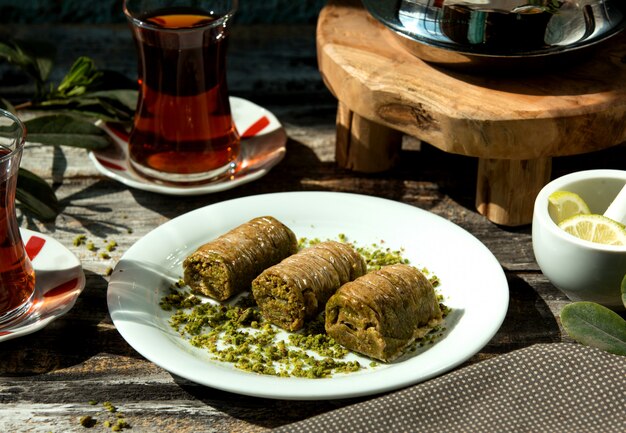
263,142
59,279
473,284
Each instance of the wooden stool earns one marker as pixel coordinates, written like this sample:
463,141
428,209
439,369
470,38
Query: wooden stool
514,125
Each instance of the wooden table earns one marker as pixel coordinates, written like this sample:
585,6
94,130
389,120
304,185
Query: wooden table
48,378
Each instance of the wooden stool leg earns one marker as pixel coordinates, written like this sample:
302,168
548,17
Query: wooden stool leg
506,189
363,145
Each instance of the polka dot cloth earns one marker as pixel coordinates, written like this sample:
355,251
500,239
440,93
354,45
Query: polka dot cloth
554,388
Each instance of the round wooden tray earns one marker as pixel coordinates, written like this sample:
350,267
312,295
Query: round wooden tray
514,123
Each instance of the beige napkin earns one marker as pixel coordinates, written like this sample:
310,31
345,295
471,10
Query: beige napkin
552,388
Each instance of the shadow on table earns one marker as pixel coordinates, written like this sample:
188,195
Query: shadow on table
455,176
286,176
528,320
303,170
69,340
263,412
88,216
452,175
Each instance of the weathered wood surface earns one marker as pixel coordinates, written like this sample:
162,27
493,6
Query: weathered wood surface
48,378
506,188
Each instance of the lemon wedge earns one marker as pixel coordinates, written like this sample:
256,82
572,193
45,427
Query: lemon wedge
565,204
595,228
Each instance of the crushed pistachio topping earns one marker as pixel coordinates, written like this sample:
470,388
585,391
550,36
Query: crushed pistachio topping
376,255
79,240
236,333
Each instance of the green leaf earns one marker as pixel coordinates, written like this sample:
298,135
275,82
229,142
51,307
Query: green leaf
36,195
66,131
42,55
12,52
7,105
34,58
624,291
127,98
107,105
83,141
81,76
594,325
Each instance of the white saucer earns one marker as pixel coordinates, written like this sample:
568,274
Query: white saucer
59,279
263,140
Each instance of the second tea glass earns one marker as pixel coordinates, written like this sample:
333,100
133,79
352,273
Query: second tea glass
17,276
183,130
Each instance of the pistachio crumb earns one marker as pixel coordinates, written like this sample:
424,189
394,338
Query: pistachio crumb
120,425
79,240
87,421
109,406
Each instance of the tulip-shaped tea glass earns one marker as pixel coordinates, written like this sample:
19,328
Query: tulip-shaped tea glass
183,130
17,277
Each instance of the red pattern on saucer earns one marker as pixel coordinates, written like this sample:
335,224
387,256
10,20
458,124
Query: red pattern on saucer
263,143
256,127
34,246
59,279
119,133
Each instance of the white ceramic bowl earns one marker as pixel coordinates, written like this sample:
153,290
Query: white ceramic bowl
583,270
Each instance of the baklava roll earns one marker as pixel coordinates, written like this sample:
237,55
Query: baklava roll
227,265
382,312
297,288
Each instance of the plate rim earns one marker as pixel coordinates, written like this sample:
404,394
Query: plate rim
266,385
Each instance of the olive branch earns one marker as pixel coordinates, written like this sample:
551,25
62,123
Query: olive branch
84,95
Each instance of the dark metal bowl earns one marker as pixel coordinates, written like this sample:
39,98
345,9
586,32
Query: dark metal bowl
499,34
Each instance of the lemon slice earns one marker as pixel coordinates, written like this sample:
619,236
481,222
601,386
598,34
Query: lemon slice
595,228
565,204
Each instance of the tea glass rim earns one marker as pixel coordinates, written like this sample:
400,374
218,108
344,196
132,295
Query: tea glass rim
132,17
20,135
